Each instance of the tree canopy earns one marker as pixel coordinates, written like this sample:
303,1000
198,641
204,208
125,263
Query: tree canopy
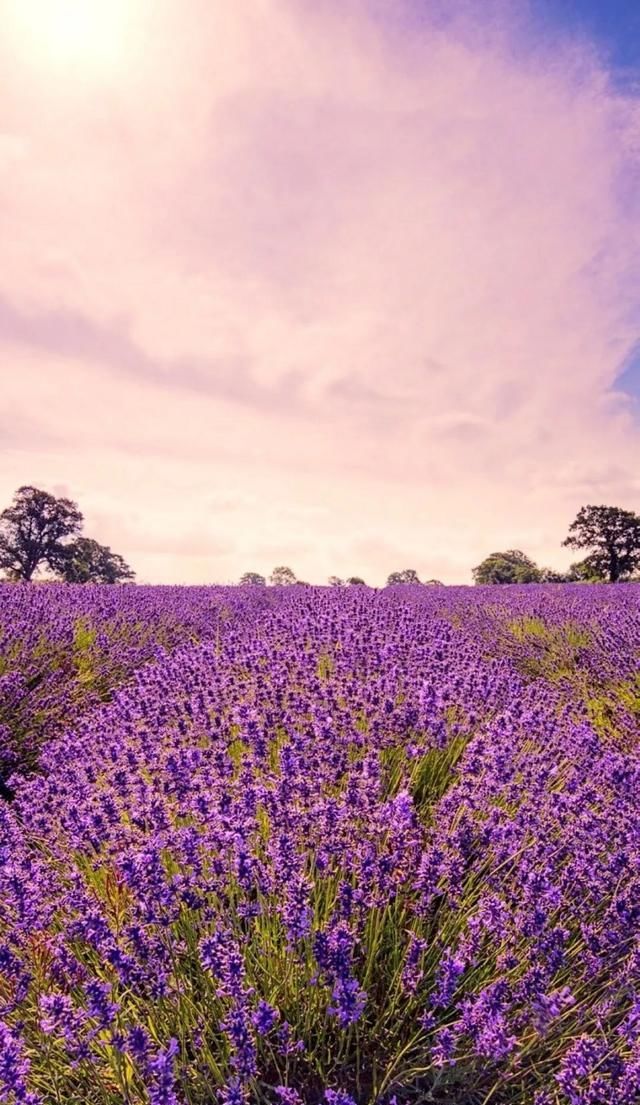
512,566
33,531
39,529
612,535
407,575
253,578
282,576
86,561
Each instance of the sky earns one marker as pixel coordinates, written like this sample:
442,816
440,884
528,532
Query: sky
347,285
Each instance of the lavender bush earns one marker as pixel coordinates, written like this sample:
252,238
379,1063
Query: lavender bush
340,846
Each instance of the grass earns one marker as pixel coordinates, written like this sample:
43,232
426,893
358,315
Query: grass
545,651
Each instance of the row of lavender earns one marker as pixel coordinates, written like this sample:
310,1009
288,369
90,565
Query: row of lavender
351,847
64,649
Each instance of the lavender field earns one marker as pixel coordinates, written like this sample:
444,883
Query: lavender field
302,845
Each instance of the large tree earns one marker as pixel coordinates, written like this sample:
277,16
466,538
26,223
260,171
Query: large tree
407,575
612,535
33,531
512,566
86,561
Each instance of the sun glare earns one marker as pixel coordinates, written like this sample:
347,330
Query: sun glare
92,35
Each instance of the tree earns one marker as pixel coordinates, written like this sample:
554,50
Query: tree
612,535
583,571
33,531
433,583
253,578
335,581
356,581
512,566
407,575
86,561
282,577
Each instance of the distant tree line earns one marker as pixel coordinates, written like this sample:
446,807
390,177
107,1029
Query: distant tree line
610,535
280,577
39,530
283,576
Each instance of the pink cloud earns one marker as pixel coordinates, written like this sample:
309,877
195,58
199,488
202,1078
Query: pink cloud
330,256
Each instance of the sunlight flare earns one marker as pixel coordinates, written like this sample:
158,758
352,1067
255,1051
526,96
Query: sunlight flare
87,35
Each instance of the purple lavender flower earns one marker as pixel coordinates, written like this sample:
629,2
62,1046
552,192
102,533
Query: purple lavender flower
265,1018
234,1093
443,1048
287,1043
139,1044
14,1068
59,1017
161,1074
451,968
99,1005
238,1027
337,1097
288,1096
412,970
348,1000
